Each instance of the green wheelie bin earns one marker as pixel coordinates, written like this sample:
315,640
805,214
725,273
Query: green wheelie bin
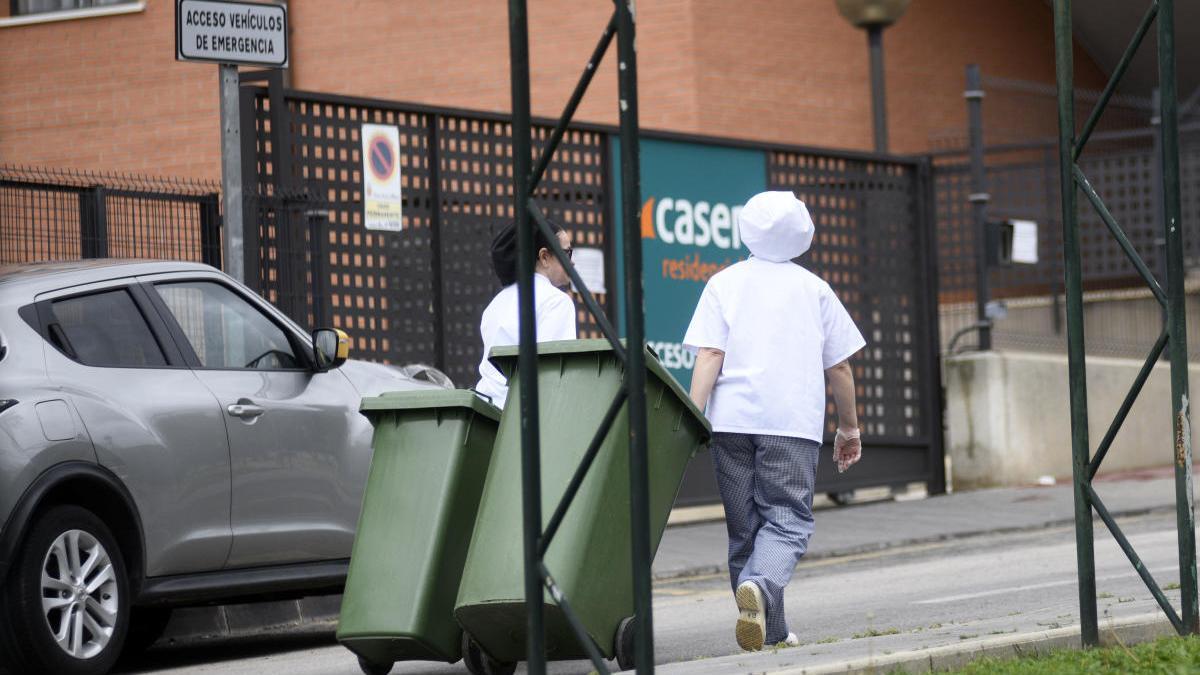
431,455
590,555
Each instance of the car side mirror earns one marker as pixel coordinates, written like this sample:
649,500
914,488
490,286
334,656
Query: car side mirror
331,348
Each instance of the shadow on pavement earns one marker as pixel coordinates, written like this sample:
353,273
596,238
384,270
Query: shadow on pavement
217,650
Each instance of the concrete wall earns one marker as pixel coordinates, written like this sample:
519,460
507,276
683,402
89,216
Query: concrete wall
1008,418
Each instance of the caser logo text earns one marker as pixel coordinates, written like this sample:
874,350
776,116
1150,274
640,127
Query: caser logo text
679,221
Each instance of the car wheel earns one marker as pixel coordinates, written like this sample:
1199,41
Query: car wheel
66,606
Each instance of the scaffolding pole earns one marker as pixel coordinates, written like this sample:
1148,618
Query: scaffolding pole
528,215
1174,335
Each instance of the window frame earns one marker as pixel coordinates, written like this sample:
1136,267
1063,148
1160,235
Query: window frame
43,309
15,18
301,347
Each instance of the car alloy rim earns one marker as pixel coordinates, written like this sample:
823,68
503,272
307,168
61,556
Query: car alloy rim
79,594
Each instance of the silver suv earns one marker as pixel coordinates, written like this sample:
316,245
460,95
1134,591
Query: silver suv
167,438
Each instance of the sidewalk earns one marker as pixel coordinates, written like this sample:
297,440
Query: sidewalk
699,549
688,550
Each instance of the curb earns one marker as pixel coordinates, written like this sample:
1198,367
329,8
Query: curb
1128,631
705,570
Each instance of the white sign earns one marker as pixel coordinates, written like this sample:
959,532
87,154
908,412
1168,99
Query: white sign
231,32
381,177
1024,242
589,262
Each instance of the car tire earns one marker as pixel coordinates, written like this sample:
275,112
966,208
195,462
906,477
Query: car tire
68,578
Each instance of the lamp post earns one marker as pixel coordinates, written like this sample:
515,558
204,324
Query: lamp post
874,16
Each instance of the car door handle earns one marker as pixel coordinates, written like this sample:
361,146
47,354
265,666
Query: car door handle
245,411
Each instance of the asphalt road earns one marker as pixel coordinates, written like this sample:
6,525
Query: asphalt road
871,604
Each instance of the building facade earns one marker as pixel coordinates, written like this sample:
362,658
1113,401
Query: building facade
98,88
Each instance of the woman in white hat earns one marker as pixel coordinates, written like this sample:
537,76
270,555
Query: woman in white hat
767,333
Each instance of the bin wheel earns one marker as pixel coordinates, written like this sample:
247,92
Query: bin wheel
478,662
626,659
373,667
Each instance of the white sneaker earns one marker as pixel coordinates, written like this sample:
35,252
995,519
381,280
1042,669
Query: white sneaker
751,628
790,641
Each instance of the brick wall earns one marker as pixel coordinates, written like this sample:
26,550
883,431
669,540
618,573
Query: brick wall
105,93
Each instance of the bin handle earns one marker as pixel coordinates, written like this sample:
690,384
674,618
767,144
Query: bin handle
480,394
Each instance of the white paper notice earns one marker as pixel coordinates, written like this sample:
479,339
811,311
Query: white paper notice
1025,242
589,262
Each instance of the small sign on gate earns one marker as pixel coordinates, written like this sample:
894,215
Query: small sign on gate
381,177
248,33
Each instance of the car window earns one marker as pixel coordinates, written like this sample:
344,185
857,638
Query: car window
107,329
225,330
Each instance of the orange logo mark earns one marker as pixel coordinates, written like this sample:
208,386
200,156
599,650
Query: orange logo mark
648,219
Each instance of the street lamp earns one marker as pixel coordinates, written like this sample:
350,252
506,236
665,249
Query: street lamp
874,16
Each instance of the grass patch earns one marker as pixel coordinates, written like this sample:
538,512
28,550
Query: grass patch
1104,596
829,640
871,632
1167,656
1171,587
970,636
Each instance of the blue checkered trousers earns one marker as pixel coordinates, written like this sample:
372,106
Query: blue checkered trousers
766,483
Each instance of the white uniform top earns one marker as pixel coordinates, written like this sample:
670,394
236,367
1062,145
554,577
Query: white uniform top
555,312
780,327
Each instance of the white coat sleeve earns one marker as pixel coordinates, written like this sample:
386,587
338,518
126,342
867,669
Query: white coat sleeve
842,338
709,327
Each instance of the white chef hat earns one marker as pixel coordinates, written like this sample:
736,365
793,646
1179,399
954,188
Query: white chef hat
775,226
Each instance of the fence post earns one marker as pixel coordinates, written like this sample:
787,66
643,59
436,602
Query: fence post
318,240
934,408
251,203
93,223
210,230
435,245
979,199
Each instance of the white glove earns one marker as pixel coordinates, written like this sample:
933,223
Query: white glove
847,448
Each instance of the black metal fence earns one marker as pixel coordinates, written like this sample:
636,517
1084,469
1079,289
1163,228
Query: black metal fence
874,245
417,295
414,295
69,215
1023,183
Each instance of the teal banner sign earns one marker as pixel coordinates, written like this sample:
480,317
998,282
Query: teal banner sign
691,196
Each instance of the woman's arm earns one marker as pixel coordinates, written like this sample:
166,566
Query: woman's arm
705,373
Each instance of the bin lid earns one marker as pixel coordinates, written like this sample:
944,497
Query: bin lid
505,359
430,398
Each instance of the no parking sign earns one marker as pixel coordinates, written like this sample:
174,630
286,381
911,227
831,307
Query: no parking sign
381,177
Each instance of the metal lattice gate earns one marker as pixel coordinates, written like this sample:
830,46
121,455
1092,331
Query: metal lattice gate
415,295
873,245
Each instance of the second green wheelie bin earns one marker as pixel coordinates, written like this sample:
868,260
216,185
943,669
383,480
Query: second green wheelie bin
589,558
431,455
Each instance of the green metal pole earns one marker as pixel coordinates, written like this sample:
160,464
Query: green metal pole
1177,323
1084,552
635,371
531,473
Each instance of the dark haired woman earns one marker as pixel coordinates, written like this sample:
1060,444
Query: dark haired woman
554,309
